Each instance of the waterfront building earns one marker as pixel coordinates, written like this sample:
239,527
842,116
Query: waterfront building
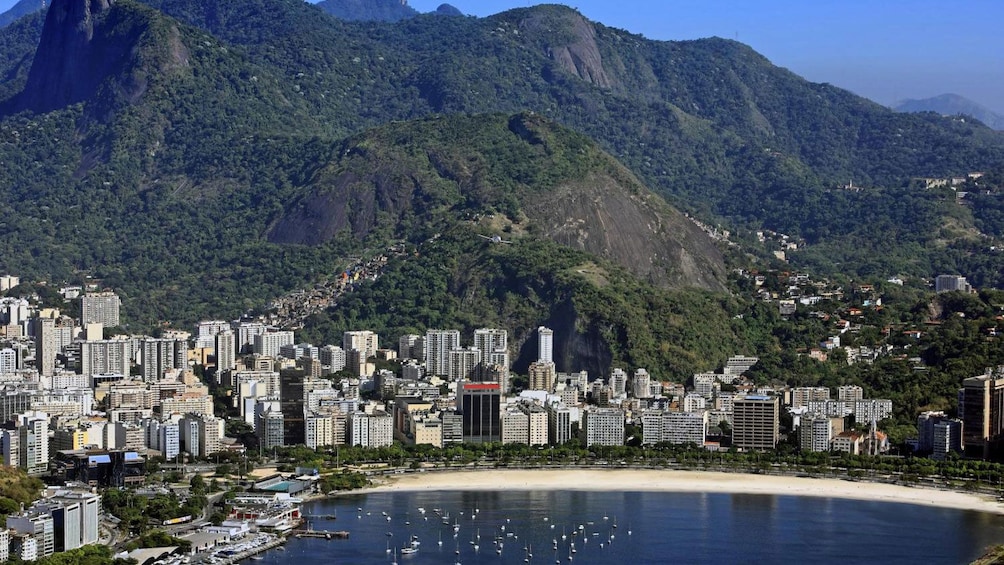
755,422
946,438
815,433
662,426
982,410
479,405
603,426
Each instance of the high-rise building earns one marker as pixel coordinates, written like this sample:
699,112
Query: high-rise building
270,425
169,440
226,351
545,344
9,361
850,393
371,430
33,442
537,422
641,384
37,523
162,355
515,427
802,396
106,356
755,422
542,375
45,346
662,426
465,364
925,430
270,343
951,283
100,308
332,357
558,422
815,433
983,414
946,438
406,347
319,430
246,333
438,345
603,426
364,340
618,382
479,405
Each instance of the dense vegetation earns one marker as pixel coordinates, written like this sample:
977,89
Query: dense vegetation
600,313
17,489
168,197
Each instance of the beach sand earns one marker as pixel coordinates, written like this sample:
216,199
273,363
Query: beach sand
649,480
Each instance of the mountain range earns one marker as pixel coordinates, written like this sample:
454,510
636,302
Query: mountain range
953,105
202,157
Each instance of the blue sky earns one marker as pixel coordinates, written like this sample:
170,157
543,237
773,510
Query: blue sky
886,50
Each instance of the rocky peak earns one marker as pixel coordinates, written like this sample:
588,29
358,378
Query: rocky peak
570,40
86,44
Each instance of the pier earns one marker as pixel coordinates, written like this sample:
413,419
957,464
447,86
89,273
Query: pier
323,534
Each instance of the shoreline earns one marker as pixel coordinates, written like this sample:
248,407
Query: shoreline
652,480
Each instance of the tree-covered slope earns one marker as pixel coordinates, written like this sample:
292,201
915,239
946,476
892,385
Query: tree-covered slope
520,174
602,315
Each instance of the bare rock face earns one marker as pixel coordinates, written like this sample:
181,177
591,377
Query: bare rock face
75,54
571,42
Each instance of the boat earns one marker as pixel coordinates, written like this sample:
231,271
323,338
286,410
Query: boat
257,558
409,550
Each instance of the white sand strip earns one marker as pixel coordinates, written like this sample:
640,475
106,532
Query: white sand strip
680,481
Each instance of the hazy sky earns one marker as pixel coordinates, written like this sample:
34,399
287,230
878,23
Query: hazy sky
886,50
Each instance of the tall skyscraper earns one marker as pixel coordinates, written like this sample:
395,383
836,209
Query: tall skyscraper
479,407
226,351
100,308
45,346
438,345
983,414
545,344
465,364
33,442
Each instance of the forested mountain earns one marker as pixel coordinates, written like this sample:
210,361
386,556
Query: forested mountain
369,10
19,10
166,148
953,105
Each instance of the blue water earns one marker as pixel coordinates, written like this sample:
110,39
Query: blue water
650,528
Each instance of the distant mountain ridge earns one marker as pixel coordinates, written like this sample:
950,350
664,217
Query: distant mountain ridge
209,131
378,10
953,105
19,10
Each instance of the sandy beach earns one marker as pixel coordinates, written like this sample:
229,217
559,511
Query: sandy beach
649,480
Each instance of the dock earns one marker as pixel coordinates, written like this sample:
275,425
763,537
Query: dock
230,559
323,534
